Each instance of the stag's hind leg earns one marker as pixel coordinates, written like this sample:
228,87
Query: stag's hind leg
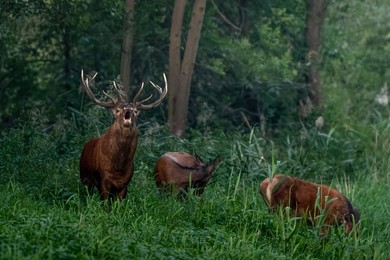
87,180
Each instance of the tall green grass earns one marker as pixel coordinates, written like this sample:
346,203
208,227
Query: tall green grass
45,214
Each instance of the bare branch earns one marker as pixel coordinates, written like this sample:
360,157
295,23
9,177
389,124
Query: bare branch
235,27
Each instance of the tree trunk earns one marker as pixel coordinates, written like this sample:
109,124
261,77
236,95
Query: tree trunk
67,57
175,58
127,45
182,90
315,15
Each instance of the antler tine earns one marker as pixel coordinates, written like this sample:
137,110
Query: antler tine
110,97
119,91
138,93
144,100
93,77
163,93
92,96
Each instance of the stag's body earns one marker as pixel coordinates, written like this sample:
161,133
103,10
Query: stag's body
107,162
177,171
310,200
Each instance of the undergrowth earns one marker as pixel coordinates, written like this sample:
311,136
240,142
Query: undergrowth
45,213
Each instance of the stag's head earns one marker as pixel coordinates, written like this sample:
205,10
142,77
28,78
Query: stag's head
125,112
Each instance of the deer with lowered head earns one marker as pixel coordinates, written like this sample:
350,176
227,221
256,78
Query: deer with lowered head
307,199
107,162
178,171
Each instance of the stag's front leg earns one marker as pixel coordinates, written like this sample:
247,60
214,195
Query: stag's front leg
199,191
104,190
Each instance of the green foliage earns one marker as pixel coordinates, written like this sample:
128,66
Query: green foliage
255,73
45,44
356,63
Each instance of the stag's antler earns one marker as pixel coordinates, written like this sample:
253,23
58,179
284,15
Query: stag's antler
114,102
140,105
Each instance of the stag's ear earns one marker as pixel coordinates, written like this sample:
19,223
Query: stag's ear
115,111
217,160
211,167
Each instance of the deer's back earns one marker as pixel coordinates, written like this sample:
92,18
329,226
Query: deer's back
176,167
183,159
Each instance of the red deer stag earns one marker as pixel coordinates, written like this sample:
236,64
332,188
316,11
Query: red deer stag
107,162
310,200
178,171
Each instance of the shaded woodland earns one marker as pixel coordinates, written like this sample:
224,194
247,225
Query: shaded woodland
230,63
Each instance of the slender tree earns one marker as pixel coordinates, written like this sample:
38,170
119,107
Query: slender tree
174,56
180,71
127,45
315,15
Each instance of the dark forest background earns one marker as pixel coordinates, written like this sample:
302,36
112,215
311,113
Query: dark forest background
251,68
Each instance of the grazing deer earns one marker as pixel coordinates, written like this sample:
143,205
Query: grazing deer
310,200
107,162
178,171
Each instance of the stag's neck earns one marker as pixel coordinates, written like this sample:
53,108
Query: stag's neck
120,144
200,177
198,173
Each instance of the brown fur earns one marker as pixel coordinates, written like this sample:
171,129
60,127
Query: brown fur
301,197
179,170
107,162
